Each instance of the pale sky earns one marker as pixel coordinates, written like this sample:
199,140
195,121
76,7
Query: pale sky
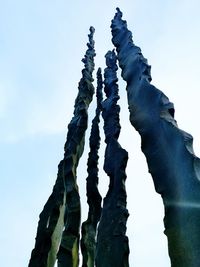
41,46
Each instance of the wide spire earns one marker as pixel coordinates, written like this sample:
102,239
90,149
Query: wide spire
168,150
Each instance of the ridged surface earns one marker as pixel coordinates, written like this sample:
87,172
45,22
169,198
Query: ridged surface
68,254
112,242
62,210
88,230
50,226
168,150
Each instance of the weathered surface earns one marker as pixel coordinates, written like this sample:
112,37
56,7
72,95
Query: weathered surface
88,241
50,226
168,150
62,210
112,243
68,254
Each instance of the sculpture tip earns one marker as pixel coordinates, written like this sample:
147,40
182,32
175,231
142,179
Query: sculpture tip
108,53
111,54
119,13
99,71
92,29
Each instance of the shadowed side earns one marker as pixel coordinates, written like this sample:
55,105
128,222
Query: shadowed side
168,150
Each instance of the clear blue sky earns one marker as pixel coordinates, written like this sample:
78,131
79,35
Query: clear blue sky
41,46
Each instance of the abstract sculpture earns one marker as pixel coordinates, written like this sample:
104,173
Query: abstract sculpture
171,161
168,150
112,244
88,231
58,227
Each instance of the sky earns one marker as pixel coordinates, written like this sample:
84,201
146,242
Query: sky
41,47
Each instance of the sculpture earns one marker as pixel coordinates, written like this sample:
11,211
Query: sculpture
112,243
174,168
168,150
88,231
68,254
62,210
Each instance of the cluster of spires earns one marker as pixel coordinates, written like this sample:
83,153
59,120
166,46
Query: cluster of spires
168,150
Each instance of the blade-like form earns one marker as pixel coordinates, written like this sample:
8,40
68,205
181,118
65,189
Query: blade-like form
52,221
68,254
168,150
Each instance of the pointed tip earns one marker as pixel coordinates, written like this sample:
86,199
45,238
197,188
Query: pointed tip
99,71
92,29
108,53
119,13
111,55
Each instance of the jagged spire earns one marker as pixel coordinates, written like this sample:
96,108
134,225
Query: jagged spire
110,108
168,150
88,241
62,210
68,254
112,243
89,56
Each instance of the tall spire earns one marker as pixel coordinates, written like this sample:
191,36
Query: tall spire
168,150
68,254
62,209
112,242
88,241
